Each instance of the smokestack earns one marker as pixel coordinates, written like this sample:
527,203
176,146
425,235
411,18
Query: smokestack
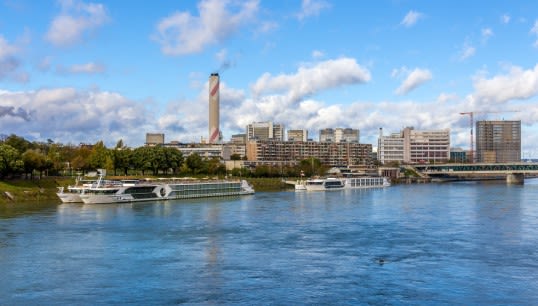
214,131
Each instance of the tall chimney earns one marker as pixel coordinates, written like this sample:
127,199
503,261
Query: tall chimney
214,131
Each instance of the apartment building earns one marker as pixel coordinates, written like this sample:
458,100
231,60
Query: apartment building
329,153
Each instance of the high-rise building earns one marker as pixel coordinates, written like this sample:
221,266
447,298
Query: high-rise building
214,130
339,135
265,130
153,139
297,135
498,141
412,146
390,148
238,139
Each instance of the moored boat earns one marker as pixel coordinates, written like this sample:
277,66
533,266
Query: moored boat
332,183
149,191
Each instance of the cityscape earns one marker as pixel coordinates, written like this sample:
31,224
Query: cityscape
268,152
497,141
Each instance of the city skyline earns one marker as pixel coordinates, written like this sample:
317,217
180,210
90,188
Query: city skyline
83,71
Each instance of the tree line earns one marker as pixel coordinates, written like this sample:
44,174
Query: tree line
20,157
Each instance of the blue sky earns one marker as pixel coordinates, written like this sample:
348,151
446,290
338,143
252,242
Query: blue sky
81,71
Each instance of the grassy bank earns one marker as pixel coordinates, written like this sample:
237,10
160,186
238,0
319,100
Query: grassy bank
268,184
21,190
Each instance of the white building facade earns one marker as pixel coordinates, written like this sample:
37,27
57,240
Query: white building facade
265,131
413,146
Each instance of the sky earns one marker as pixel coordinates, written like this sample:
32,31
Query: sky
82,71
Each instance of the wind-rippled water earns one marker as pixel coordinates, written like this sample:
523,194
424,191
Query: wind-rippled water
459,243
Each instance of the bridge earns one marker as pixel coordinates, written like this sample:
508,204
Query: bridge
514,173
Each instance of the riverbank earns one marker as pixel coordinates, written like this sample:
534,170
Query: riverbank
21,190
44,189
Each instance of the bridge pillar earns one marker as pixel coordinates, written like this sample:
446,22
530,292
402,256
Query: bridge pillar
515,178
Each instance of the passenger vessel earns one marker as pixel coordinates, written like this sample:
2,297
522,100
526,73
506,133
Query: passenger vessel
332,183
73,192
148,191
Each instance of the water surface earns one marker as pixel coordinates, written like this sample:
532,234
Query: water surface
459,243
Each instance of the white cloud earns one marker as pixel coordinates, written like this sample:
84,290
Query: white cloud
10,65
414,79
312,8
534,30
516,84
267,26
76,19
505,18
181,33
88,68
309,80
68,115
466,52
6,49
486,34
411,18
224,60
316,54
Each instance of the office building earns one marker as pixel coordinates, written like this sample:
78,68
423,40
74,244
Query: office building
413,146
239,139
297,135
458,155
498,141
339,135
265,131
153,139
390,148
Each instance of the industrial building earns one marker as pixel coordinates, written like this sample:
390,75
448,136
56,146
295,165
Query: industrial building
265,131
413,146
498,141
329,153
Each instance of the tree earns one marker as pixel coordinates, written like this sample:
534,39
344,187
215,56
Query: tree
235,156
174,159
33,160
80,160
214,166
18,143
98,156
121,157
141,159
10,162
310,166
195,163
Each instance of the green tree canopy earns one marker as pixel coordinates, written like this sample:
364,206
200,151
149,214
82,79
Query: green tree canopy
10,161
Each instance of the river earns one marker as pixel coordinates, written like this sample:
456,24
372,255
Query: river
457,243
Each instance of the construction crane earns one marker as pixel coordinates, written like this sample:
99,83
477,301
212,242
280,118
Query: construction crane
471,120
